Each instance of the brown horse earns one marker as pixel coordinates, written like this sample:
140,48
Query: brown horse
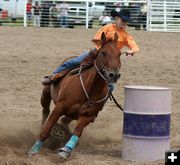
81,96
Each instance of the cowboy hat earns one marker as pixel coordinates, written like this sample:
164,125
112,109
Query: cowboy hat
123,13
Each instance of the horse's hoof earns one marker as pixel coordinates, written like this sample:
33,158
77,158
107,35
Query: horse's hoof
64,153
35,148
30,154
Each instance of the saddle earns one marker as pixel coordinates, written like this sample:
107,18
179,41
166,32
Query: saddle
87,63
57,77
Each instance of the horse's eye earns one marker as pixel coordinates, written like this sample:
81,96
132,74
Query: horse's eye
104,53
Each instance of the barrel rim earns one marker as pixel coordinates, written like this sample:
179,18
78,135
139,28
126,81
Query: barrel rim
146,87
146,137
147,113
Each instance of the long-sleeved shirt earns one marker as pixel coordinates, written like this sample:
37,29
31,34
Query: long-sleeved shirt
124,39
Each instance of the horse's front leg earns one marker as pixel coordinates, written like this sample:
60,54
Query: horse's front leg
82,122
53,118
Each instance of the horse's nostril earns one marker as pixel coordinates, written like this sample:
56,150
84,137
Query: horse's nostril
111,75
119,75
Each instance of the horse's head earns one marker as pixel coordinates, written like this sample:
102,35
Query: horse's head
108,58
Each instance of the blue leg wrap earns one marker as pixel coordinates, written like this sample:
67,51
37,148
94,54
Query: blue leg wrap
72,142
36,147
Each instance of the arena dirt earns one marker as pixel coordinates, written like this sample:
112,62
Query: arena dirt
27,54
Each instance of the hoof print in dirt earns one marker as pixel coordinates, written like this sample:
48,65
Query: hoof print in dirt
59,136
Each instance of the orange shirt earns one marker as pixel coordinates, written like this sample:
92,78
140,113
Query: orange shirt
124,39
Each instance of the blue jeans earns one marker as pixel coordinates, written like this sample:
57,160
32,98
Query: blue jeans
75,62
71,63
63,21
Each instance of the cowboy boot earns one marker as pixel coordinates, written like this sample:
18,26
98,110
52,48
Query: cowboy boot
48,80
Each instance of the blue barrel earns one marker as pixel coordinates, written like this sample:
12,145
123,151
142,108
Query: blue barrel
146,126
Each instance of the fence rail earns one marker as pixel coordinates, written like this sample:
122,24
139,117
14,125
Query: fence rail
81,12
163,16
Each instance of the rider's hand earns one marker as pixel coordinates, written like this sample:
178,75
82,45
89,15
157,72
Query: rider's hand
129,53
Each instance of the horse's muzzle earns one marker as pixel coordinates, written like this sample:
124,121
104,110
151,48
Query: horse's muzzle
113,77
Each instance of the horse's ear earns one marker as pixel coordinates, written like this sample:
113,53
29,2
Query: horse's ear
100,42
103,37
115,38
97,42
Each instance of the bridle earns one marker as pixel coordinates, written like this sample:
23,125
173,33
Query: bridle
103,71
103,75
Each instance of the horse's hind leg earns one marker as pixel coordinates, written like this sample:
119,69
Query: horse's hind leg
45,103
65,121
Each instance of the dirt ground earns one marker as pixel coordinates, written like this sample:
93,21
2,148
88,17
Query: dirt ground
27,54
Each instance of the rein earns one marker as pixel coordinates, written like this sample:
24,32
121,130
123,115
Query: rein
108,95
85,91
102,76
117,104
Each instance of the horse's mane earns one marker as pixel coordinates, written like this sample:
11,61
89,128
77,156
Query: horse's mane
91,57
93,54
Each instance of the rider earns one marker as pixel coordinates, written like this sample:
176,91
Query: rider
124,39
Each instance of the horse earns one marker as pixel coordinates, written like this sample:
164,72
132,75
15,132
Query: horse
80,96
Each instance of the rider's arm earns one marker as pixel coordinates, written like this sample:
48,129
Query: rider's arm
131,43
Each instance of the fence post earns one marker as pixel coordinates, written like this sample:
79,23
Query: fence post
165,16
87,13
25,16
148,21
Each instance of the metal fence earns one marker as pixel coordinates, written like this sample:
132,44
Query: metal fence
85,13
163,15
151,15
